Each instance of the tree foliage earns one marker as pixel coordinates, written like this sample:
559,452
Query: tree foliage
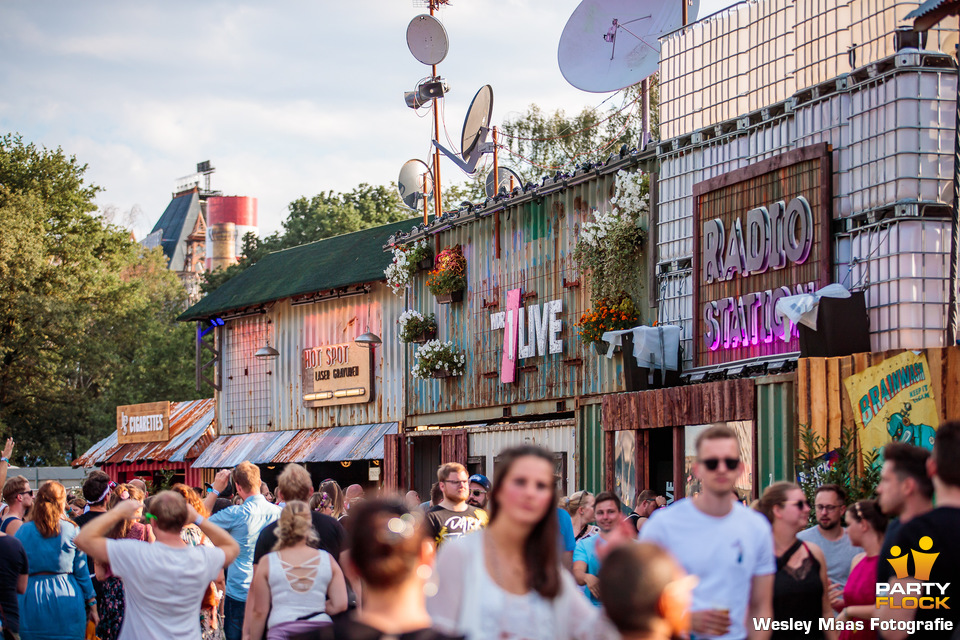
87,316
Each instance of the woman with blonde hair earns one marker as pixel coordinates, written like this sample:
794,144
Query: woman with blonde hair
580,507
800,587
211,623
291,584
59,598
114,605
332,489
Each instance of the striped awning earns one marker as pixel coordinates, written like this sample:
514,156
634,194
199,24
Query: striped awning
334,444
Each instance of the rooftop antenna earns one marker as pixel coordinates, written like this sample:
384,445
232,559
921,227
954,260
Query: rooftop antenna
608,45
476,129
427,41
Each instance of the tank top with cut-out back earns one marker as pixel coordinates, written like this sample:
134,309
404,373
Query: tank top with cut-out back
298,590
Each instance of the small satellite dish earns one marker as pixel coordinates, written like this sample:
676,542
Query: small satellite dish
505,174
476,128
611,44
415,184
427,39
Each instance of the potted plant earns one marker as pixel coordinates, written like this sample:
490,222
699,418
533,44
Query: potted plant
608,314
448,278
413,326
421,255
436,359
400,272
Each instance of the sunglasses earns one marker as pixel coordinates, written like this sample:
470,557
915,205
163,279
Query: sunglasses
476,493
800,504
713,463
26,493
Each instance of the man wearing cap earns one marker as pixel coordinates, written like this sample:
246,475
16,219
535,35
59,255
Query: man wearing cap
479,488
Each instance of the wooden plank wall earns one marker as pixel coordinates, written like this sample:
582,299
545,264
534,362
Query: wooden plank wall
823,402
680,406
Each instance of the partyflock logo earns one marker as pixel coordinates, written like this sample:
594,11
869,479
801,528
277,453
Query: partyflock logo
921,594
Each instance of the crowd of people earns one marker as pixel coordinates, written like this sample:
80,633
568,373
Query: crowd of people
507,559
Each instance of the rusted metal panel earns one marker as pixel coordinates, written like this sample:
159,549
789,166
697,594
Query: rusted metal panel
192,428
392,451
275,402
229,451
722,401
453,446
537,236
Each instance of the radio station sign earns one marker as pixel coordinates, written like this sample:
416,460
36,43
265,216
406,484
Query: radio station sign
760,233
148,422
337,374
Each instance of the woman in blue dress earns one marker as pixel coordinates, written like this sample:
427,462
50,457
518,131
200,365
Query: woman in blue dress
59,598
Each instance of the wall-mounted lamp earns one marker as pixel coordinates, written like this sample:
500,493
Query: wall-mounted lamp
368,339
266,351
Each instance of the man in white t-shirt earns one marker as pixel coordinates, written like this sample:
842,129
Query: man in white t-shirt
726,545
164,582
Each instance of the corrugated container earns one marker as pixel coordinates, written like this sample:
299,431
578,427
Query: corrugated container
758,53
903,267
537,238
489,441
590,449
266,395
776,420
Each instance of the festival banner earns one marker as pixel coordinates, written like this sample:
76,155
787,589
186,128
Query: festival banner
894,401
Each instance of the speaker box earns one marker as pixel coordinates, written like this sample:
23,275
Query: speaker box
843,328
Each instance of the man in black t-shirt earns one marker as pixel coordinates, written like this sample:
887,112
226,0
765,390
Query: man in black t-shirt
905,491
96,489
453,517
927,549
13,580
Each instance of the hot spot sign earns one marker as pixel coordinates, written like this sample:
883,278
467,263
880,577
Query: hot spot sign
760,233
336,374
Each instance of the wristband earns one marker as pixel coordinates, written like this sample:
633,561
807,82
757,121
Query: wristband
198,521
215,492
7,460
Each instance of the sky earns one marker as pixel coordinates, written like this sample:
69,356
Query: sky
286,99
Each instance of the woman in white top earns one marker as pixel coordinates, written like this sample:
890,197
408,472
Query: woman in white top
506,581
292,582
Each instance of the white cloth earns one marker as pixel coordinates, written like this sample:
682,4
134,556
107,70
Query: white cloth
653,347
164,587
803,308
469,602
286,603
724,553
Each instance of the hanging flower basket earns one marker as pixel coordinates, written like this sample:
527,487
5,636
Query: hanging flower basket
406,262
426,264
413,326
601,348
425,336
448,278
441,373
607,315
453,296
437,359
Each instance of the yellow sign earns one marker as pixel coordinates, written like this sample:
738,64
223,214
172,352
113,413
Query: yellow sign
337,374
894,401
148,422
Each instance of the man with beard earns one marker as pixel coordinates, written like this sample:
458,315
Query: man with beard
19,497
453,517
905,491
586,561
830,502
479,488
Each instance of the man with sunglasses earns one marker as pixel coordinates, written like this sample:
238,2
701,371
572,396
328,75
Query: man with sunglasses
830,503
726,545
19,497
453,517
479,488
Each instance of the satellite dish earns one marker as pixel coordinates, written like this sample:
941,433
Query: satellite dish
476,127
415,184
505,174
427,39
611,44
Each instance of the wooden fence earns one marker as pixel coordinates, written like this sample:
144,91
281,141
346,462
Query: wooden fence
823,402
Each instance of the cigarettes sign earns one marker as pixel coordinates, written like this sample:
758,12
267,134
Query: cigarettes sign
760,233
148,422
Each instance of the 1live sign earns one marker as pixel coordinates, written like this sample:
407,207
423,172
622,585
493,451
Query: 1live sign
760,233
527,331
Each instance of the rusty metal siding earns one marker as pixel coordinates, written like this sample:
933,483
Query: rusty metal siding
557,437
537,238
293,328
776,420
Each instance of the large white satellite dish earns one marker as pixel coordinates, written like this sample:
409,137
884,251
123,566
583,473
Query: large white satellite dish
611,44
415,184
476,128
427,39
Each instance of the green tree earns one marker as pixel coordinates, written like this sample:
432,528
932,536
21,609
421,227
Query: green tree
83,309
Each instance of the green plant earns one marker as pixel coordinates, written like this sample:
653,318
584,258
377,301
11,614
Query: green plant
816,466
435,356
449,273
163,482
420,251
411,324
608,315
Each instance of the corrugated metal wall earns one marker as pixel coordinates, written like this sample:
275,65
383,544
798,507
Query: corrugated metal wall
756,54
489,444
893,149
295,328
536,238
590,448
776,422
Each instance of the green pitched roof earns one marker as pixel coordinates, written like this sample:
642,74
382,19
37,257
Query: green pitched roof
341,261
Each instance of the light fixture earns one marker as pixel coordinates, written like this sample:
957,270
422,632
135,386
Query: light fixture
368,339
266,351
